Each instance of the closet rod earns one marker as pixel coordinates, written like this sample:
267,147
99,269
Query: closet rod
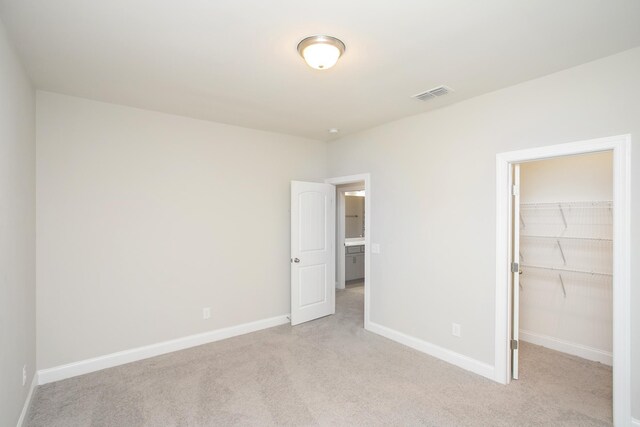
597,239
569,270
554,205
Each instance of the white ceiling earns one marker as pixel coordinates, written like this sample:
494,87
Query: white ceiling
235,61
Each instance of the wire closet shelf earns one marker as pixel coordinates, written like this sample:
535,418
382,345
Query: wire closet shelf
567,239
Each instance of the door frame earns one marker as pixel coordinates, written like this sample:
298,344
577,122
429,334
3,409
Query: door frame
514,277
354,179
621,147
341,230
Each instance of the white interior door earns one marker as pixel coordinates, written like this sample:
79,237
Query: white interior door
313,221
516,271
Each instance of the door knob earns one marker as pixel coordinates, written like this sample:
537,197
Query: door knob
296,260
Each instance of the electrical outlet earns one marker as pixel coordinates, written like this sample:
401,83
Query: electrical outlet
375,248
455,329
24,375
206,313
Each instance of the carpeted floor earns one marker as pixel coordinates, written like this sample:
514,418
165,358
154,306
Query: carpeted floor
326,372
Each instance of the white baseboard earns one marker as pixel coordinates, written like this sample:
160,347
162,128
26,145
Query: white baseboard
449,356
579,350
27,402
120,358
635,422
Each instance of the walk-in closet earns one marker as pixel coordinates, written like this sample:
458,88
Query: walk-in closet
565,285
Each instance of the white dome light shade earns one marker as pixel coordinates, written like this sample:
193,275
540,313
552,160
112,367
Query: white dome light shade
321,52
321,56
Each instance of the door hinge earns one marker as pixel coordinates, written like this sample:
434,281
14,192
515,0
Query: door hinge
514,344
515,267
515,190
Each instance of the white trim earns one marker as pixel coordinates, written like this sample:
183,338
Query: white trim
340,232
621,147
575,349
366,177
635,422
27,402
441,353
127,356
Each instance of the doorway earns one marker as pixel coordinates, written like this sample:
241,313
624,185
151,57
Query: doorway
562,294
350,234
313,247
353,236
350,254
511,261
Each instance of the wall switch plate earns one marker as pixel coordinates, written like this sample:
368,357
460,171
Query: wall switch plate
455,329
24,375
206,313
375,248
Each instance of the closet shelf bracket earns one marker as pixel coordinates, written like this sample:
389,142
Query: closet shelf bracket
564,219
564,260
564,290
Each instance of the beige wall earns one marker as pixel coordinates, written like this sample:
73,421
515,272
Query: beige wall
17,233
586,177
145,218
433,196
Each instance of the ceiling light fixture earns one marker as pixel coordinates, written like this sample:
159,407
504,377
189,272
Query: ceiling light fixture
321,52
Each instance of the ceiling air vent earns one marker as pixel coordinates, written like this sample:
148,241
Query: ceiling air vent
433,93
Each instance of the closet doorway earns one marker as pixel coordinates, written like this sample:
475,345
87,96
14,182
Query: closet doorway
562,295
564,299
